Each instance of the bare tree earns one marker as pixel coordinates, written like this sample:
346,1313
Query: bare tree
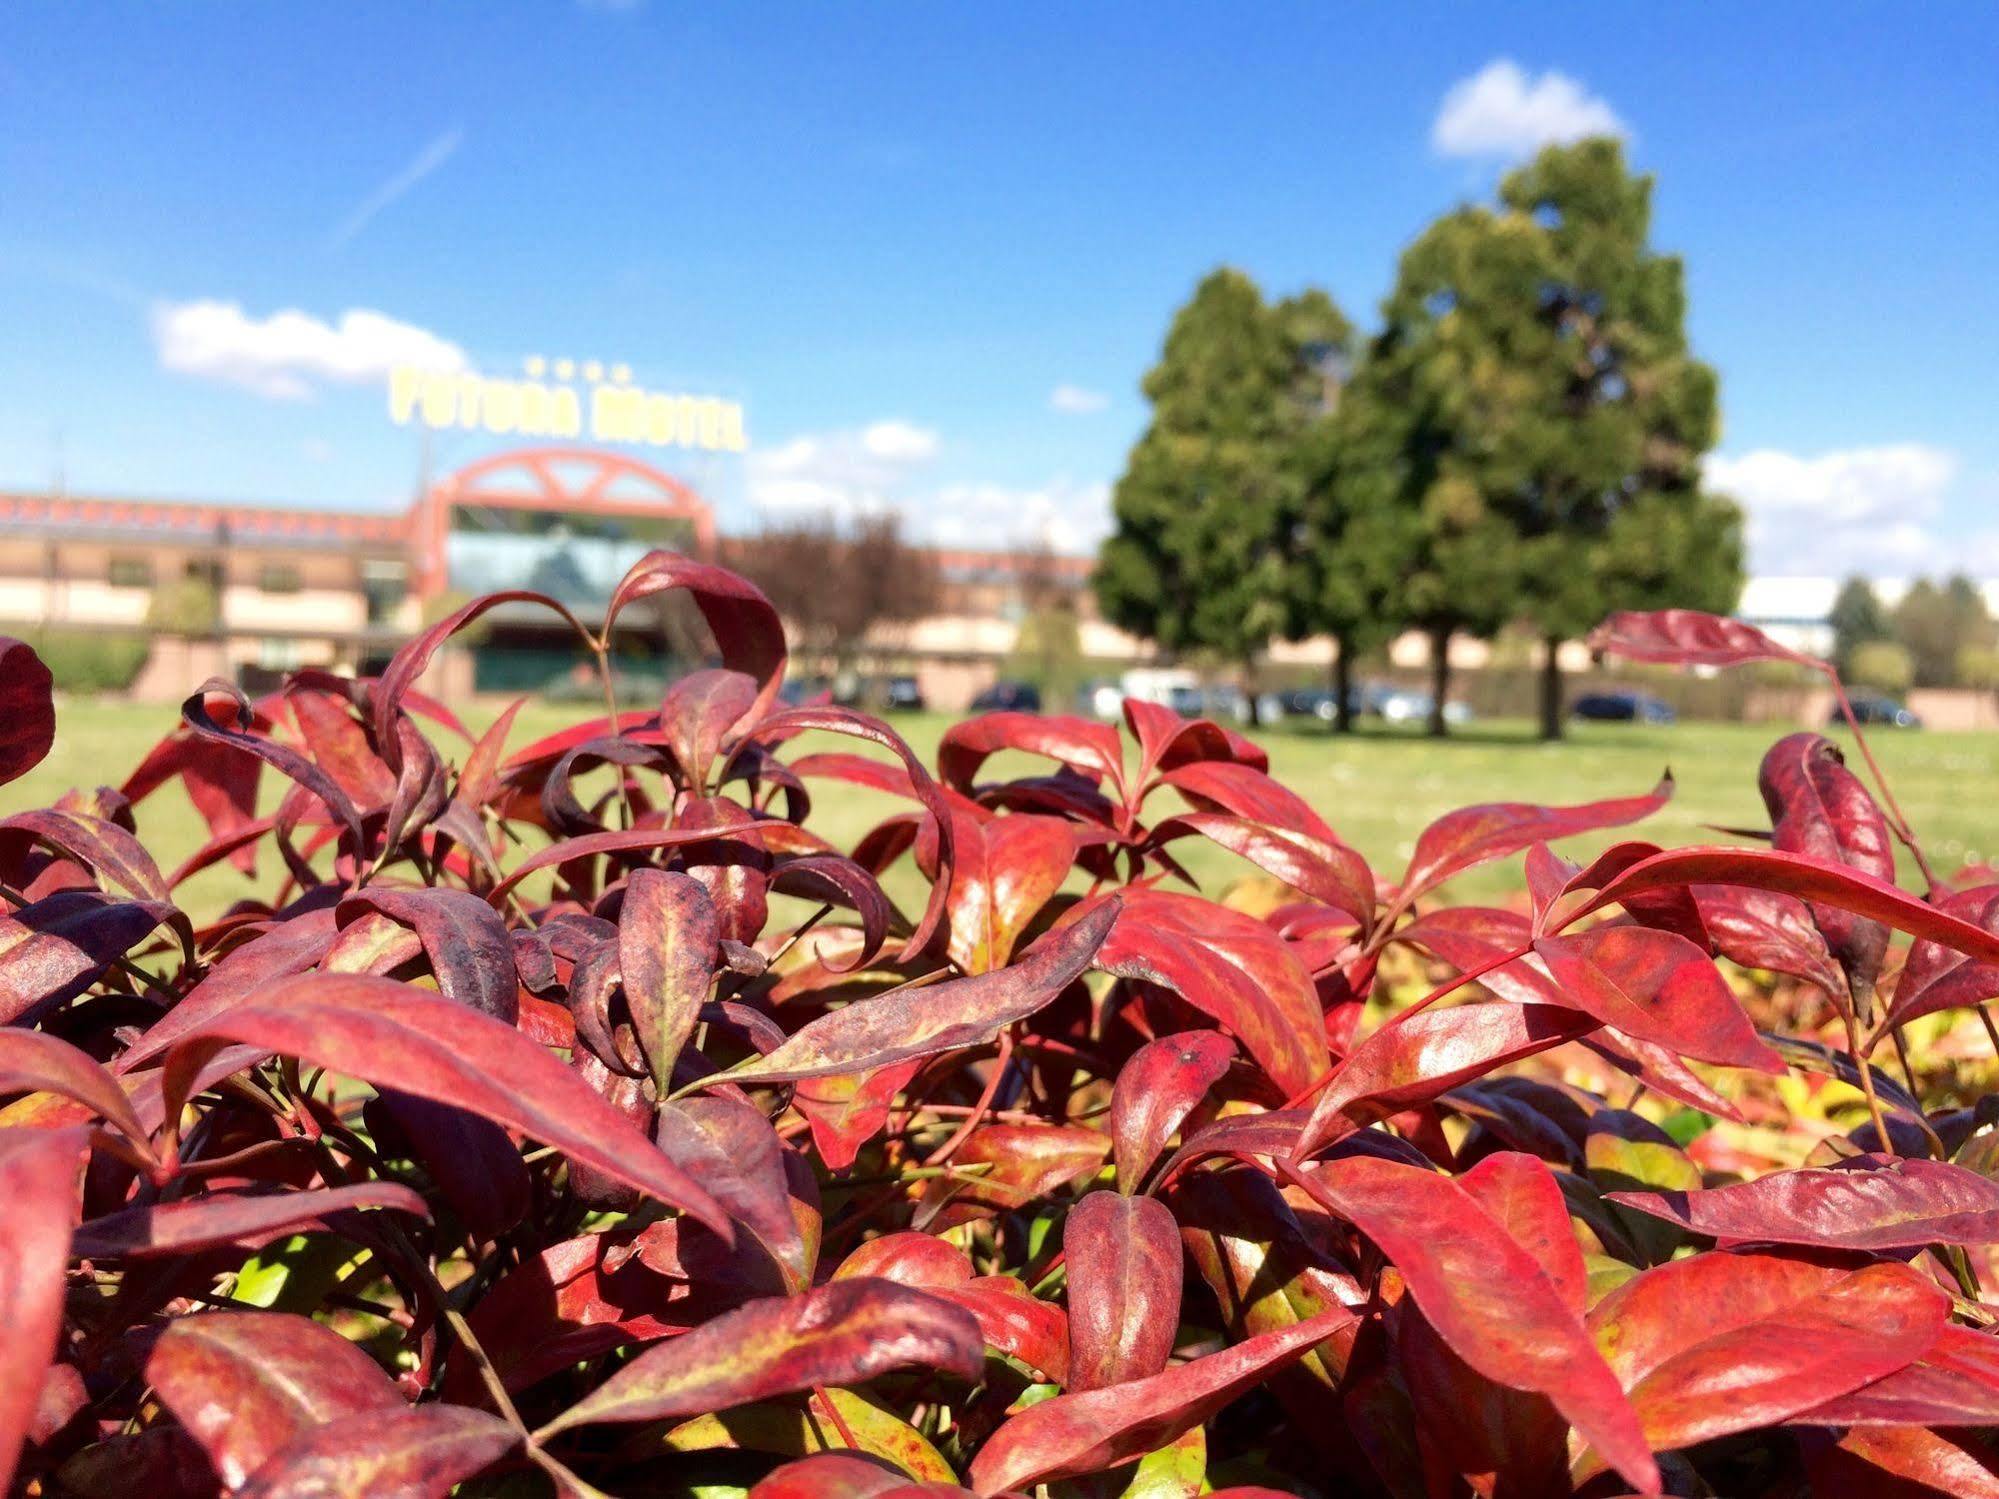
836,584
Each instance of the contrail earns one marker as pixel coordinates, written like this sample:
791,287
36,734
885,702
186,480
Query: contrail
434,155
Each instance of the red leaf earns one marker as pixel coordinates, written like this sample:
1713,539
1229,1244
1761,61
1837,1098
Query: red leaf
104,848
1230,966
1768,929
1091,749
1485,1294
833,1475
1325,871
697,712
1094,1430
909,1259
251,1218
747,631
669,938
1657,987
31,1061
842,1333
1472,836
902,1027
1123,1258
732,1148
420,1453
1156,1090
1956,1383
1872,1202
1722,1342
38,1182
1015,1321
1829,884
1007,868
1413,1061
1687,637
385,1032
1821,811
1937,977
467,944
27,709
246,1384
794,721
1902,1462
846,1109
1245,791
54,948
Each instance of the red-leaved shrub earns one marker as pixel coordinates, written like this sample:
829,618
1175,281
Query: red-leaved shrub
578,1120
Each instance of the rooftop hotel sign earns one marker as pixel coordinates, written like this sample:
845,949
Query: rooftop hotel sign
564,398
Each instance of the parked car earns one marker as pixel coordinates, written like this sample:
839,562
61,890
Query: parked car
800,690
1405,705
1008,697
902,695
1622,707
1871,708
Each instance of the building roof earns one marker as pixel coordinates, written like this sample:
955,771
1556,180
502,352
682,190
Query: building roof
193,521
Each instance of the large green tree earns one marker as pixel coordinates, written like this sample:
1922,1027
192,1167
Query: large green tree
1199,555
1569,404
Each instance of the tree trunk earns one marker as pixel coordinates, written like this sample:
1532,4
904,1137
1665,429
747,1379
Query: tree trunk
1342,687
1249,694
1551,688
1440,681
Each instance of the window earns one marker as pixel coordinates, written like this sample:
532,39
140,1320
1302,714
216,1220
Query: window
278,577
384,583
131,572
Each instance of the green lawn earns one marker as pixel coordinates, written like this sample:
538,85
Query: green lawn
1377,789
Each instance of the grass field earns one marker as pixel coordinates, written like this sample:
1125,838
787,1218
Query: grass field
1378,789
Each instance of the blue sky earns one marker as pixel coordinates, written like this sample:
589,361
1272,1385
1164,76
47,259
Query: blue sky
896,231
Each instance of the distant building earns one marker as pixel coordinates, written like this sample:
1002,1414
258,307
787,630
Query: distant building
1797,611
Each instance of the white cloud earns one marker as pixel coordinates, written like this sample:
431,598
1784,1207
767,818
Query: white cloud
845,473
1074,400
899,442
1501,111
883,467
284,356
1852,509
1064,515
435,153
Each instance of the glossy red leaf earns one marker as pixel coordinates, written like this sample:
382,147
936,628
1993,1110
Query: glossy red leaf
53,948
1902,1462
1829,884
1412,1061
1656,986
748,633
467,944
1872,1202
27,709
186,1224
382,1031
1155,1091
1090,748
1245,791
420,1453
669,938
1820,810
1486,1294
848,1109
697,713
1936,976
1029,1163
732,1149
104,848
1954,1383
790,722
842,1333
1006,870
902,1027
1768,929
38,1182
1092,1430
1123,1258
1770,1337
1472,836
832,1475
1227,965
1015,1321
32,1061
246,1384
1688,637
1325,871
